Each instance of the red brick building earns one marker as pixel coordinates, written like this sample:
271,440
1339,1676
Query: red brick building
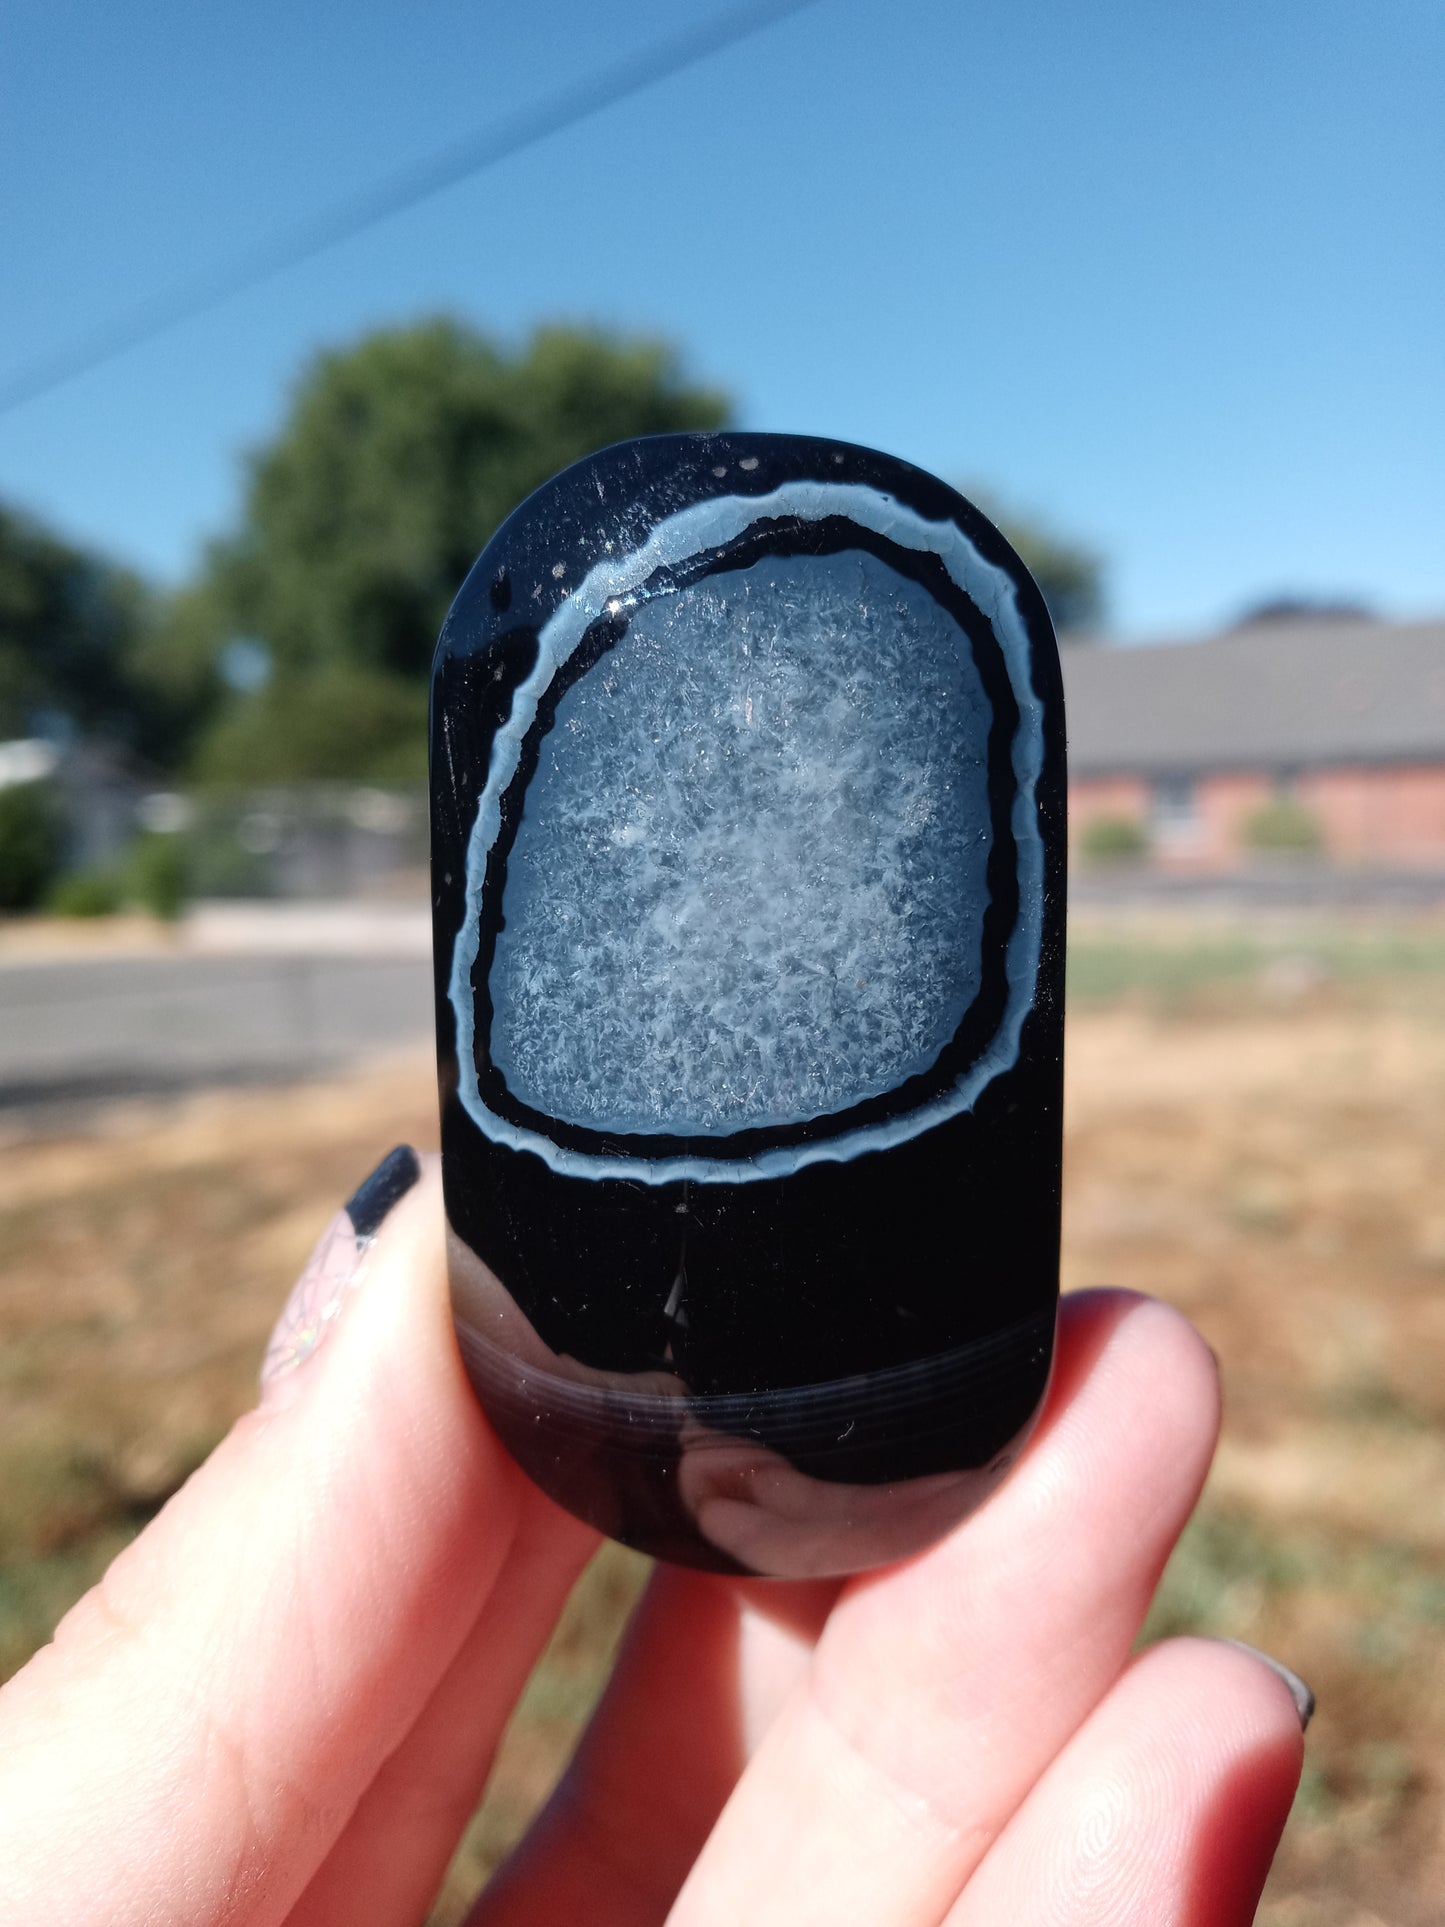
1326,729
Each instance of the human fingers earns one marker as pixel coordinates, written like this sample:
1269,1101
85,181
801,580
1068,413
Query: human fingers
390,1857
1165,1808
208,1719
705,1667
942,1688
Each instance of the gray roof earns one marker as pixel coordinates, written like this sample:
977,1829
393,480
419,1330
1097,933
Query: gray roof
1279,696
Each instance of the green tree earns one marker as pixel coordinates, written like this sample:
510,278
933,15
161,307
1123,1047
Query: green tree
331,723
73,634
1069,574
397,460
32,843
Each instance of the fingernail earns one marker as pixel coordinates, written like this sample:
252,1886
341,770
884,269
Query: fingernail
1299,1692
336,1265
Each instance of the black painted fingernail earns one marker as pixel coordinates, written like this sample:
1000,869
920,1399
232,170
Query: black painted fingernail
1299,1692
335,1265
388,1184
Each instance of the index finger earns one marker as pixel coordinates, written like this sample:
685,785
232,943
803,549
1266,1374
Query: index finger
942,1688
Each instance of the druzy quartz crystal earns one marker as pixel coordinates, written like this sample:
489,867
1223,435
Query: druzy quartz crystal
748,858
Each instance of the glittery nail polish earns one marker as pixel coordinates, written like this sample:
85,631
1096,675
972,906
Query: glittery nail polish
336,1264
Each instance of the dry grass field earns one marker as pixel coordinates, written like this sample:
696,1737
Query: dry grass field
1255,1131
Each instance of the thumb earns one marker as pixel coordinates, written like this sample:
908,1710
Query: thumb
195,1738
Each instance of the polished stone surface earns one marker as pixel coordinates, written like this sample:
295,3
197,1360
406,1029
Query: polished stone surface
748,853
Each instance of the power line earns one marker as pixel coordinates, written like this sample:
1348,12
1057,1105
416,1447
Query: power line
401,191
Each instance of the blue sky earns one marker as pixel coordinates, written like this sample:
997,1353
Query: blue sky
1172,278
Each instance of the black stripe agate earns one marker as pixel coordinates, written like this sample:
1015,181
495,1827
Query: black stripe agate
748,864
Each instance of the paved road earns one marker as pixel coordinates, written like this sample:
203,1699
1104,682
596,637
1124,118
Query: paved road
72,1032
273,992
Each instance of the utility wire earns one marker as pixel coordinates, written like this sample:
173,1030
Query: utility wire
401,191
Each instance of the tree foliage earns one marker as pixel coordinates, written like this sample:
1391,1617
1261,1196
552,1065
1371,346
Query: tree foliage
1070,575
327,724
399,457
32,843
72,633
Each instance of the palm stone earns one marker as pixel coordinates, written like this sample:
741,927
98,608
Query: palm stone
748,854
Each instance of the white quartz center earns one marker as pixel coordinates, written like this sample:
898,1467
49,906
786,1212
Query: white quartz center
748,884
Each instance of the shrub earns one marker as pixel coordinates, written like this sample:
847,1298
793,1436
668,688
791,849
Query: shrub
154,876
157,874
32,843
86,893
1113,839
1284,827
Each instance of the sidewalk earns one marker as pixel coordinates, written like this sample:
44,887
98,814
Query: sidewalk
221,929
309,929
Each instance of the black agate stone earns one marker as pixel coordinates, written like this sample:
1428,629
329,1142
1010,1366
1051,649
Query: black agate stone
748,857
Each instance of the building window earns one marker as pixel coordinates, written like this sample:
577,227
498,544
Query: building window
1173,809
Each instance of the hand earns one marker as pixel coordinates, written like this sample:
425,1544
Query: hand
281,1703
